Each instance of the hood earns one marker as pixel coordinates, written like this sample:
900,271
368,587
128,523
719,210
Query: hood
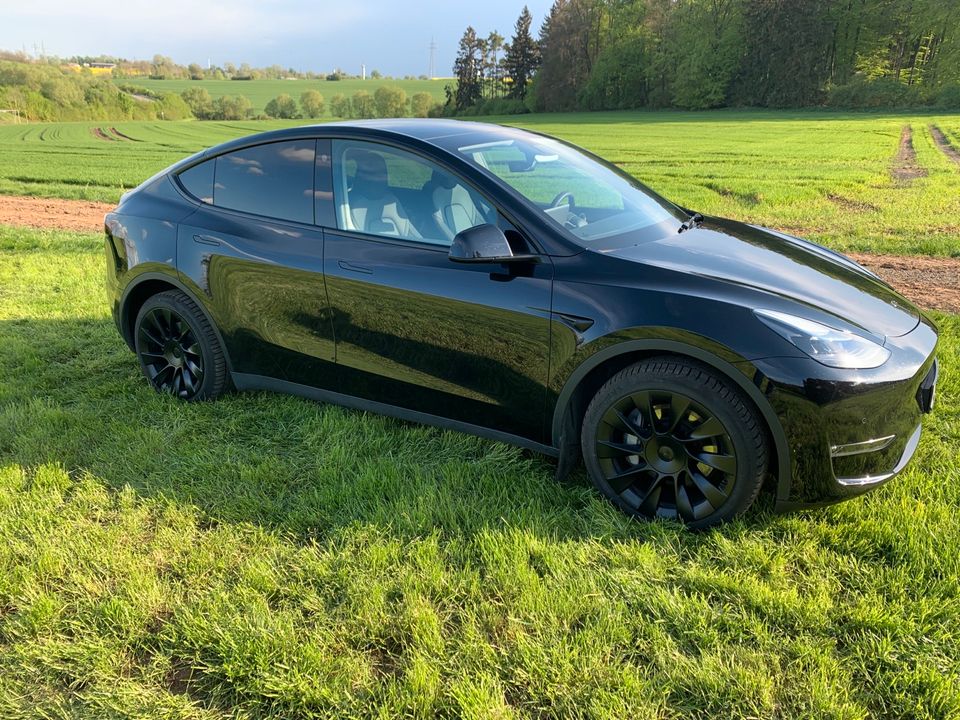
785,266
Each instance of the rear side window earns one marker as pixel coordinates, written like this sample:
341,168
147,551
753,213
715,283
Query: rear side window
198,181
274,180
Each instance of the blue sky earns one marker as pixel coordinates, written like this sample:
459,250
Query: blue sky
392,37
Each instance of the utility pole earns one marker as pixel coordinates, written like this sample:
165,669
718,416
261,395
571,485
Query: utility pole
433,53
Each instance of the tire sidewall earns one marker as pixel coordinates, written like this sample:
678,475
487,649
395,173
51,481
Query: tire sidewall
750,469
187,315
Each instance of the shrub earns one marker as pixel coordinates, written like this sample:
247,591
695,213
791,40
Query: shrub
879,93
199,102
311,103
282,106
340,106
420,104
363,105
173,107
231,107
390,101
949,97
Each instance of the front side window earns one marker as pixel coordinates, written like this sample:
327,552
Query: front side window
590,199
381,190
274,180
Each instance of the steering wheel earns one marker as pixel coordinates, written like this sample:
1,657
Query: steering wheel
573,220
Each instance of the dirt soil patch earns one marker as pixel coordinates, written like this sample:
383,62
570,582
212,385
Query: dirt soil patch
946,147
905,166
930,282
53,213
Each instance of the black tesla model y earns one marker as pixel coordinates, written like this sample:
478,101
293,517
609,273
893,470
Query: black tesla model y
507,284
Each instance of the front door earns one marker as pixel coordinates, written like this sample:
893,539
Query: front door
415,330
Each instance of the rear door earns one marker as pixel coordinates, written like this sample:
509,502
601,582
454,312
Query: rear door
254,252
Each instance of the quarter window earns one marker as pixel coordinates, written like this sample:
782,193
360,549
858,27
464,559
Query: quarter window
274,180
198,181
385,191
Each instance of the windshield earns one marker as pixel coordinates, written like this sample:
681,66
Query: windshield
592,200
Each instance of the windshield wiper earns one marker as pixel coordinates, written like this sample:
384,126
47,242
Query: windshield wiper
691,222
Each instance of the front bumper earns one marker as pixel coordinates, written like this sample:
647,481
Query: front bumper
849,431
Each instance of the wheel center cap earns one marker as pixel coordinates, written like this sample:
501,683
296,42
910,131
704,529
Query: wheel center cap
664,456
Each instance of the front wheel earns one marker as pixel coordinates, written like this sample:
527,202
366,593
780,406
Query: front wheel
668,438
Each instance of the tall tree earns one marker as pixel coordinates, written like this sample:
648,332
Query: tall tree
569,45
492,63
523,56
468,69
778,74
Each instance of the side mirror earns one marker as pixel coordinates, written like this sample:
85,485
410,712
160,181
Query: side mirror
485,244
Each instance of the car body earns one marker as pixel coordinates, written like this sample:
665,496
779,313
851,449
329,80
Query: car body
351,296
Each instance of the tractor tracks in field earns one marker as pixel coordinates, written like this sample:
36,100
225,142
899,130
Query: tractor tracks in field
109,134
906,169
943,144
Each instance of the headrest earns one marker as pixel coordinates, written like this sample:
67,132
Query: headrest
371,167
441,179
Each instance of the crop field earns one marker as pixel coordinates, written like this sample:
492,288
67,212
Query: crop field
265,556
840,179
260,92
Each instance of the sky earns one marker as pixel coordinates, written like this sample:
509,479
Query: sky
319,35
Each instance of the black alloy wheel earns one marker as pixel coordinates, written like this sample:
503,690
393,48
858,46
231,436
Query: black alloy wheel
666,438
178,351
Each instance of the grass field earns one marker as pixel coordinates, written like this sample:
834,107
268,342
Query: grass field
823,175
266,556
260,92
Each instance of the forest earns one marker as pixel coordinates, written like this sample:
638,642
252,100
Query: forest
698,54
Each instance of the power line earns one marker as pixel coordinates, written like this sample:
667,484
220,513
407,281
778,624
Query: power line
433,52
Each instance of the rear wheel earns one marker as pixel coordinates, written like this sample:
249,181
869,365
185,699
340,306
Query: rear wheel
178,350
668,438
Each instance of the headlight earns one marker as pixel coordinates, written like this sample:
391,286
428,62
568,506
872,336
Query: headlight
827,345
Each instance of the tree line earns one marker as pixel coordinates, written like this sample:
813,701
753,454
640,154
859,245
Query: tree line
387,101
698,54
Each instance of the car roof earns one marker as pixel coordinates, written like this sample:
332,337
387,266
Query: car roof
443,133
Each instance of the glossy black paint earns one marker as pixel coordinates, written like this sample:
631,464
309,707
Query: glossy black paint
513,350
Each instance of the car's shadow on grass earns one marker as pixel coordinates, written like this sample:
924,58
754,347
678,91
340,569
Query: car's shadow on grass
71,394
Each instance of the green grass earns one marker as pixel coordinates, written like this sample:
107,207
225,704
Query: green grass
266,556
260,92
822,175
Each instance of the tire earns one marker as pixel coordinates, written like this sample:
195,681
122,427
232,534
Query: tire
668,438
178,350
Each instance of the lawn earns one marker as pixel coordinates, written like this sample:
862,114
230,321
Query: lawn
823,175
266,556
